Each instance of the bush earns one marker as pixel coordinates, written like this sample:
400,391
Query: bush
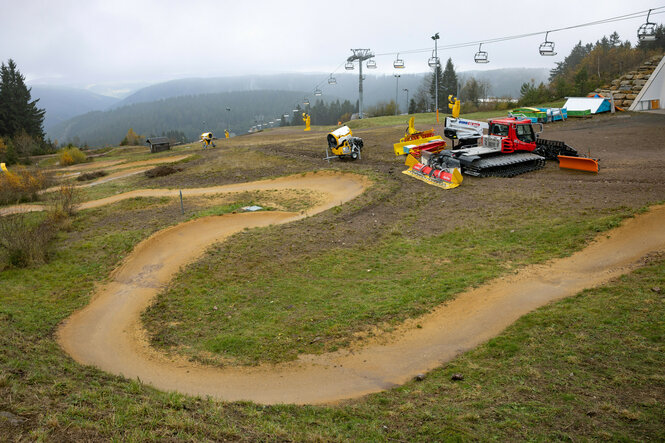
86,176
23,242
161,171
21,184
72,156
63,203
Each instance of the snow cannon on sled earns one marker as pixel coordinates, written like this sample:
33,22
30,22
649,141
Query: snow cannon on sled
343,145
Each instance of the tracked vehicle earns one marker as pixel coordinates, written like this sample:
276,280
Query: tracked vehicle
511,147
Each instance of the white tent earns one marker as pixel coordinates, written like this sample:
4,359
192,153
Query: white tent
593,104
652,95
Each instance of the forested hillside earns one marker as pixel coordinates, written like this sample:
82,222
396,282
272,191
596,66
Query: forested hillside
195,114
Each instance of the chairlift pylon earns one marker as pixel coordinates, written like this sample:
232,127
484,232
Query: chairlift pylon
433,61
647,31
371,64
348,66
398,63
547,47
481,56
332,80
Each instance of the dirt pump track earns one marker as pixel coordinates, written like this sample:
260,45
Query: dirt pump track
108,333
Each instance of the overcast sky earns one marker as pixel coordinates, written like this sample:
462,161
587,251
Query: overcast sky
88,42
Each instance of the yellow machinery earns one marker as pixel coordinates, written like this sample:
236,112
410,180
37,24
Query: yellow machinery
342,144
207,139
307,120
455,105
414,137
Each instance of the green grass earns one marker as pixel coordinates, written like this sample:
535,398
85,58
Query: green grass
588,367
323,301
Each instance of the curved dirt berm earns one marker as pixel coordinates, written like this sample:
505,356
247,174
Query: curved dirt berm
108,333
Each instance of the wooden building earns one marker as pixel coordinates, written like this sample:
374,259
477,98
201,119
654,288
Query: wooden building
158,144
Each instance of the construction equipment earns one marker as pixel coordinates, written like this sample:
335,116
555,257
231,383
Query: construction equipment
511,147
433,172
343,145
413,137
207,139
578,163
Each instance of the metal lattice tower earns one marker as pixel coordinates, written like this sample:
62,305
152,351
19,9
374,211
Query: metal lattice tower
361,55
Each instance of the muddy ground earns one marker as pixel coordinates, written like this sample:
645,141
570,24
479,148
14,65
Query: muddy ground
630,147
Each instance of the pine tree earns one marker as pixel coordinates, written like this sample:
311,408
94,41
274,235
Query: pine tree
17,112
447,84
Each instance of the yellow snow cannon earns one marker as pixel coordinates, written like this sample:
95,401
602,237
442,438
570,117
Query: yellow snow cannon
454,105
343,145
207,139
413,137
306,118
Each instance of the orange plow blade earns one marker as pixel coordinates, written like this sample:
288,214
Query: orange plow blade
578,163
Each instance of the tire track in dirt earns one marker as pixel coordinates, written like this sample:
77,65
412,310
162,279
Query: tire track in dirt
108,333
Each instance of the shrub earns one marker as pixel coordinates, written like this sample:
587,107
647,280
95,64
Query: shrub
24,242
63,203
21,184
161,171
86,176
72,156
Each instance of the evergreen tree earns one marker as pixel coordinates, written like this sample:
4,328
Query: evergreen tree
447,85
17,112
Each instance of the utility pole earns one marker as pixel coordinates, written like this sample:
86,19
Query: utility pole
397,76
361,55
407,99
435,37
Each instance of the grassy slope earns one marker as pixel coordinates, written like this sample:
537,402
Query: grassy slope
324,300
589,366
518,385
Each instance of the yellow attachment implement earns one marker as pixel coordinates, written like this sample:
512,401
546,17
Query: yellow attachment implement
399,147
411,161
450,181
414,137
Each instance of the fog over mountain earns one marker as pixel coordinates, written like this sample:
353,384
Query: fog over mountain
67,108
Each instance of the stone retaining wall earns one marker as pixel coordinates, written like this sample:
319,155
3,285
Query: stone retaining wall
625,88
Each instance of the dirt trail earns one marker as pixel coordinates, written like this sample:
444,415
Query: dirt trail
108,333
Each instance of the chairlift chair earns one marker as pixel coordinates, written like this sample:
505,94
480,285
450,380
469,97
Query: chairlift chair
371,64
348,66
332,80
398,63
481,56
547,47
433,61
647,31
318,92
305,101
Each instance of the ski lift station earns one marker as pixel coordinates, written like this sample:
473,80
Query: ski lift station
652,95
